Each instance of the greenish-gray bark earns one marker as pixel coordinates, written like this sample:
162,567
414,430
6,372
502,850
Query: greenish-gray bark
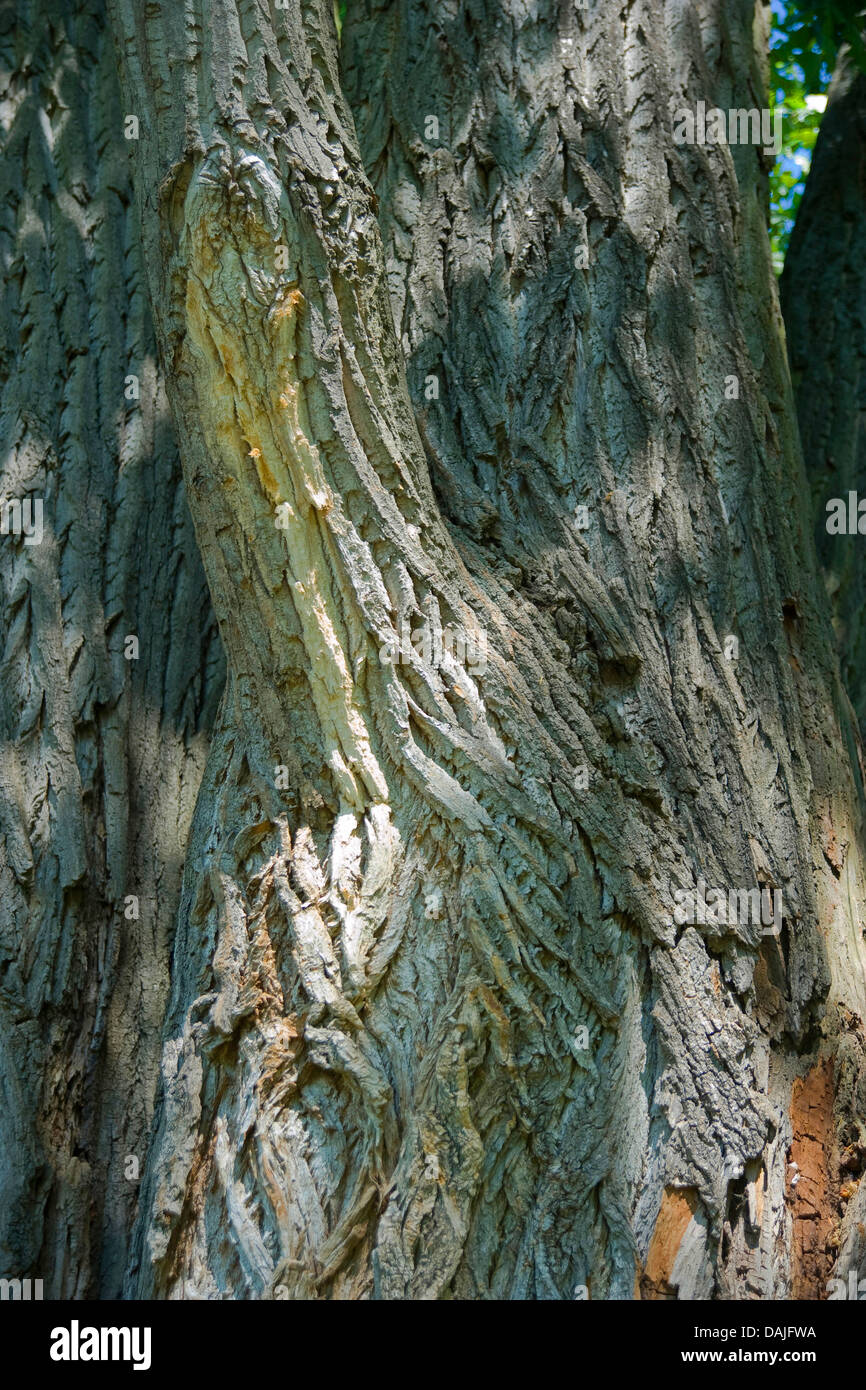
435,1029
101,756
823,291
608,389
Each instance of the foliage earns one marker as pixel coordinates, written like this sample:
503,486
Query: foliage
803,45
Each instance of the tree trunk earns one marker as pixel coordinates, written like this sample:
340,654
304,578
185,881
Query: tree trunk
477,235
101,755
823,288
434,1029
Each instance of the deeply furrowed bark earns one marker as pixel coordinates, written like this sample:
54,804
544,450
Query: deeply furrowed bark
374,1079
101,756
823,292
551,145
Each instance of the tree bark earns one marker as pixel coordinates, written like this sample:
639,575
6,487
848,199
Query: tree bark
823,291
101,756
477,235
434,1031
